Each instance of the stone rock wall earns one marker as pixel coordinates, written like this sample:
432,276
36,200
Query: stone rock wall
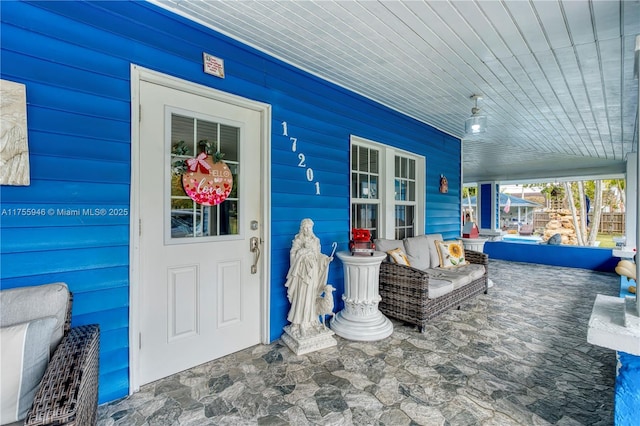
561,222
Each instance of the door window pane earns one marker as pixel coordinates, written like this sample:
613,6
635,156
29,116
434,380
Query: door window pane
228,217
189,220
207,136
229,137
182,129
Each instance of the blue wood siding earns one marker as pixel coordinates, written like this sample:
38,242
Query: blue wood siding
74,58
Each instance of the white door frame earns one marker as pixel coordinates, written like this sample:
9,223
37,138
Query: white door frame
139,74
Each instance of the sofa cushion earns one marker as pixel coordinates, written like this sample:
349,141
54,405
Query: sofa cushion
450,253
417,249
23,304
433,250
438,288
387,245
457,277
24,350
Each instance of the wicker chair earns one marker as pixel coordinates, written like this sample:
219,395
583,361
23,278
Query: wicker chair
405,291
68,392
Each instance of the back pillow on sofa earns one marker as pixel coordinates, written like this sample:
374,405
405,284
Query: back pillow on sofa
433,250
388,245
418,251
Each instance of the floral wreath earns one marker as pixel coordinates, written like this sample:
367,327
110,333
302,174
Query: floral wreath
206,179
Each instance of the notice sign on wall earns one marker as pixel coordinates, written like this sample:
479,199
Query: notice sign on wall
213,65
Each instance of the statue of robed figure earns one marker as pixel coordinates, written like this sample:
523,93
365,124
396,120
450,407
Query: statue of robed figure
306,282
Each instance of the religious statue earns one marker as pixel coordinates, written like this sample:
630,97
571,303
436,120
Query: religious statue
306,282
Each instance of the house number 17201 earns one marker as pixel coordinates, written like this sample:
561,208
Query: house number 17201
301,157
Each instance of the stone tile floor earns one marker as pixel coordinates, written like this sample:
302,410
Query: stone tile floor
517,356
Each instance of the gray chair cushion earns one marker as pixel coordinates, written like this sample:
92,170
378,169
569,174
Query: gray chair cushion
386,245
438,288
433,251
418,251
458,277
23,304
25,356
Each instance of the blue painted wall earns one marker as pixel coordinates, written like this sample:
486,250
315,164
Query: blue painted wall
627,398
74,58
595,259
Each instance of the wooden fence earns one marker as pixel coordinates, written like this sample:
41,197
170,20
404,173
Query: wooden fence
610,223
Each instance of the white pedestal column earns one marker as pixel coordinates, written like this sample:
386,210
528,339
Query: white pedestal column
475,244
360,319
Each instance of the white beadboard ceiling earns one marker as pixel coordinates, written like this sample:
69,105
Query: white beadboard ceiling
557,77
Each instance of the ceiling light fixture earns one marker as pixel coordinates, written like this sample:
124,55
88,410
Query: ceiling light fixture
477,123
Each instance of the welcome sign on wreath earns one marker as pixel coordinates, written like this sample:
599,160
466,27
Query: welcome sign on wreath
206,179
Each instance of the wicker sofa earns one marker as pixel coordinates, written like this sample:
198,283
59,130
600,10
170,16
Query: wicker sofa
417,293
67,393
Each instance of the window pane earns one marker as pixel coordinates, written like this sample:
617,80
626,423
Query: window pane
229,137
412,169
177,190
365,216
374,161
354,157
183,223
208,218
182,131
364,186
355,193
409,218
207,134
228,217
363,159
354,216
400,190
411,191
400,214
373,187
372,216
364,178
404,221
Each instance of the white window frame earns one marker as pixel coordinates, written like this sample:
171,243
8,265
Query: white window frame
386,186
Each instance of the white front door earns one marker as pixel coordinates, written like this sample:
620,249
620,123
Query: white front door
199,296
